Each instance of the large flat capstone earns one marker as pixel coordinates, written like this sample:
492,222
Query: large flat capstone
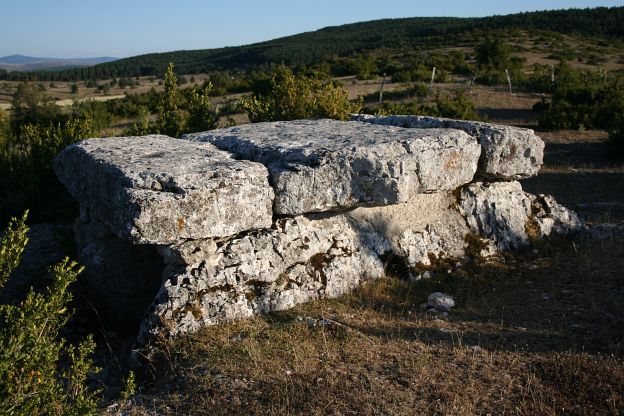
326,165
160,190
508,153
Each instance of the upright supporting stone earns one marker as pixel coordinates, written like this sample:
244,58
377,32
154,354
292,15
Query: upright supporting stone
508,217
327,165
509,153
159,190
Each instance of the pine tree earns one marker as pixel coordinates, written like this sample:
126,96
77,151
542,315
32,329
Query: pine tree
169,121
202,116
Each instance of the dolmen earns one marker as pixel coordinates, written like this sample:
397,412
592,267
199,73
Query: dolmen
180,233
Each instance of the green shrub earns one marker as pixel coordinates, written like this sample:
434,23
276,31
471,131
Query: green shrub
493,56
169,121
201,115
40,373
459,106
582,100
26,176
5,127
143,124
292,98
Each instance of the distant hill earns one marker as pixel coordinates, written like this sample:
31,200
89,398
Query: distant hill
415,33
30,63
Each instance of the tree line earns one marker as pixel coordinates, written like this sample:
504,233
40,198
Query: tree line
344,41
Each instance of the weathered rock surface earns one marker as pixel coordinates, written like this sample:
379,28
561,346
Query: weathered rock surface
299,259
327,165
159,190
507,216
440,301
508,153
427,225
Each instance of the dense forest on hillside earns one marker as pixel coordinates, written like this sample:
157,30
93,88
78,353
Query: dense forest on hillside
332,42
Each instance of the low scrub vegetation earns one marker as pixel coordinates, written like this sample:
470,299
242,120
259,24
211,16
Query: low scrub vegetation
585,100
37,130
290,98
40,373
29,140
200,114
458,106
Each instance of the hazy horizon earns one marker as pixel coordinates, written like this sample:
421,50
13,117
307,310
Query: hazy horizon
71,29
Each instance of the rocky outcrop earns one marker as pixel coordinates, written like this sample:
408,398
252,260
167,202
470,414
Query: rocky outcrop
179,234
156,190
298,260
327,165
508,153
507,217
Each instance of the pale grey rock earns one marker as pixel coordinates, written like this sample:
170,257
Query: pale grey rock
327,165
302,258
498,211
427,226
177,234
159,190
299,260
552,217
508,217
440,301
508,153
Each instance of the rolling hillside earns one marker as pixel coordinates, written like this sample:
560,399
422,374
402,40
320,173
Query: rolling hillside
345,40
30,63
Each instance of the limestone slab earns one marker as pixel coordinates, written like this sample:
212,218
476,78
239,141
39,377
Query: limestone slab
160,190
327,165
299,259
508,217
508,153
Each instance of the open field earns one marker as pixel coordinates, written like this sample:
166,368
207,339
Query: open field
582,52
60,92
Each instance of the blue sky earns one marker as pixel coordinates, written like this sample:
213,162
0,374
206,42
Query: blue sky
90,28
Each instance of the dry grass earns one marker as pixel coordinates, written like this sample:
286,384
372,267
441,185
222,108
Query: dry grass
541,333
